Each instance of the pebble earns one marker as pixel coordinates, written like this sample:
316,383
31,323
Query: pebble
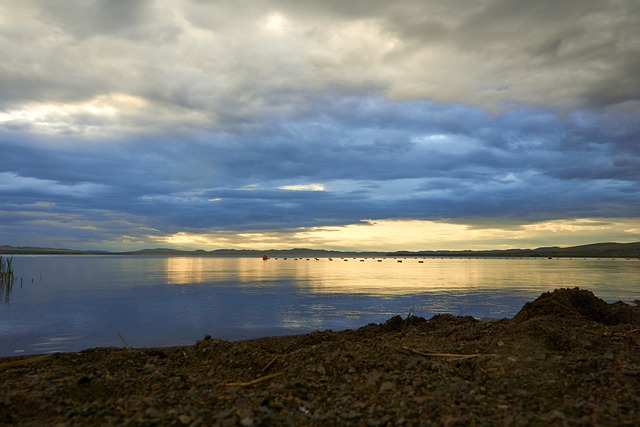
386,386
247,421
152,413
149,368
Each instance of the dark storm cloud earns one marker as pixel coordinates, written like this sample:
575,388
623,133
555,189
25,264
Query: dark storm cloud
403,160
91,17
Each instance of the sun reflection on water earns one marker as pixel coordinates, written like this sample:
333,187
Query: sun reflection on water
387,276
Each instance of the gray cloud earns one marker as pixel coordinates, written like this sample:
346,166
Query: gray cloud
234,61
95,17
136,118
412,166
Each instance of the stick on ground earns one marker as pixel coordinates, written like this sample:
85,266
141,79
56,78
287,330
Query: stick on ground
24,361
250,383
445,355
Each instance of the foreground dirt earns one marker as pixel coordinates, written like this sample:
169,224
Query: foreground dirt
567,358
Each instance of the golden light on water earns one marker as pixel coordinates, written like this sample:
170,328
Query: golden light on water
386,275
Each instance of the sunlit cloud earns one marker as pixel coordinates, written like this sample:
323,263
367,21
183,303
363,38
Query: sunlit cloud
570,226
222,239
416,235
275,22
303,187
63,117
41,204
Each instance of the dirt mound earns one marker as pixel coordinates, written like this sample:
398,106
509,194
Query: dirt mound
578,304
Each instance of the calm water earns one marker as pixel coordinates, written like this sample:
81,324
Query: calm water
68,303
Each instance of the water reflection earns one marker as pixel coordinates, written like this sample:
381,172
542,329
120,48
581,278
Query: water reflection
185,270
192,270
54,343
388,277
83,302
5,290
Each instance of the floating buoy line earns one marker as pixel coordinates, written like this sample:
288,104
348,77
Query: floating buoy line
266,258
419,261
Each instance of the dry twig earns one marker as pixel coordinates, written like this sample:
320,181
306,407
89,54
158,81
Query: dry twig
270,364
445,355
24,361
253,382
126,344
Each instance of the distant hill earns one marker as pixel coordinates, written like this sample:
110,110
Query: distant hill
607,250
624,250
296,252
159,251
610,250
32,250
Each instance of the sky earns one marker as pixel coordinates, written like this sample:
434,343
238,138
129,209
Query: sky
347,125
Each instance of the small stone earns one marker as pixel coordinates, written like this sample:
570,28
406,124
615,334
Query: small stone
372,377
386,386
247,421
555,414
304,410
152,413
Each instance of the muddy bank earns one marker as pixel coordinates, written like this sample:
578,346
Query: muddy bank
567,358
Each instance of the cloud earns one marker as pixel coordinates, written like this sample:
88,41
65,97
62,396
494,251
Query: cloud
397,235
303,187
422,164
149,119
224,59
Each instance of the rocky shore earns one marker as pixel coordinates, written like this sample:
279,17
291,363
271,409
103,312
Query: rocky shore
567,358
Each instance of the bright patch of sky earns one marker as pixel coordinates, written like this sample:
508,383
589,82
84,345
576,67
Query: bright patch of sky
303,187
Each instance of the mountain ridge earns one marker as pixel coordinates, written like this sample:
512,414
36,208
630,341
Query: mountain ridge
605,249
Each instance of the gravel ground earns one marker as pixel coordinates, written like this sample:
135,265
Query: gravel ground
567,358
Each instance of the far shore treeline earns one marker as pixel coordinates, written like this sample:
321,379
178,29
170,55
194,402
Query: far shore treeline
607,250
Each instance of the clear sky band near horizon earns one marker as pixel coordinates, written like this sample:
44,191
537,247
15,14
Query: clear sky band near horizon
359,125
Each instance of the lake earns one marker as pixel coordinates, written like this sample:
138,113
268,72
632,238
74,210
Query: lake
69,303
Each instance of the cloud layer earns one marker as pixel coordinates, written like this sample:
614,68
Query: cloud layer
227,124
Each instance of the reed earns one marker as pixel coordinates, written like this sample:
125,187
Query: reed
407,322
6,278
6,270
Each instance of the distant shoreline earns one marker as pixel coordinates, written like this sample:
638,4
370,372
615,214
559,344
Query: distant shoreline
596,250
